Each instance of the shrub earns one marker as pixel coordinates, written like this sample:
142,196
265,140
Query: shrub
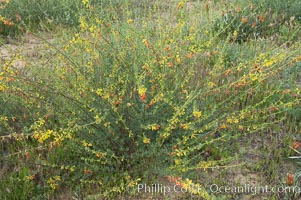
260,19
18,16
21,15
119,106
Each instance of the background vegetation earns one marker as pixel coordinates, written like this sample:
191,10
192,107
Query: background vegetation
146,92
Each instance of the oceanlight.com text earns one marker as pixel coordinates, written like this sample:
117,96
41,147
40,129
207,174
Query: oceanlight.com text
253,189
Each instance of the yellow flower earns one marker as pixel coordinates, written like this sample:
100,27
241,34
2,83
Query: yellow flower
146,140
142,90
184,126
97,119
98,155
197,114
178,59
180,5
43,136
3,119
53,182
86,144
3,87
155,127
99,91
268,63
253,77
85,2
98,21
129,21
229,120
83,23
211,84
297,91
92,28
235,34
29,177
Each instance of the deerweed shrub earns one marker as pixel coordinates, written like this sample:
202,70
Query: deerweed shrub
131,100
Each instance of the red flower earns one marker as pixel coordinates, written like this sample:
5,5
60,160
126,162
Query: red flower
244,20
290,179
143,97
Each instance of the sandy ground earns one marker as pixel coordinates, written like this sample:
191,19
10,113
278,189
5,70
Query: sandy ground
25,49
